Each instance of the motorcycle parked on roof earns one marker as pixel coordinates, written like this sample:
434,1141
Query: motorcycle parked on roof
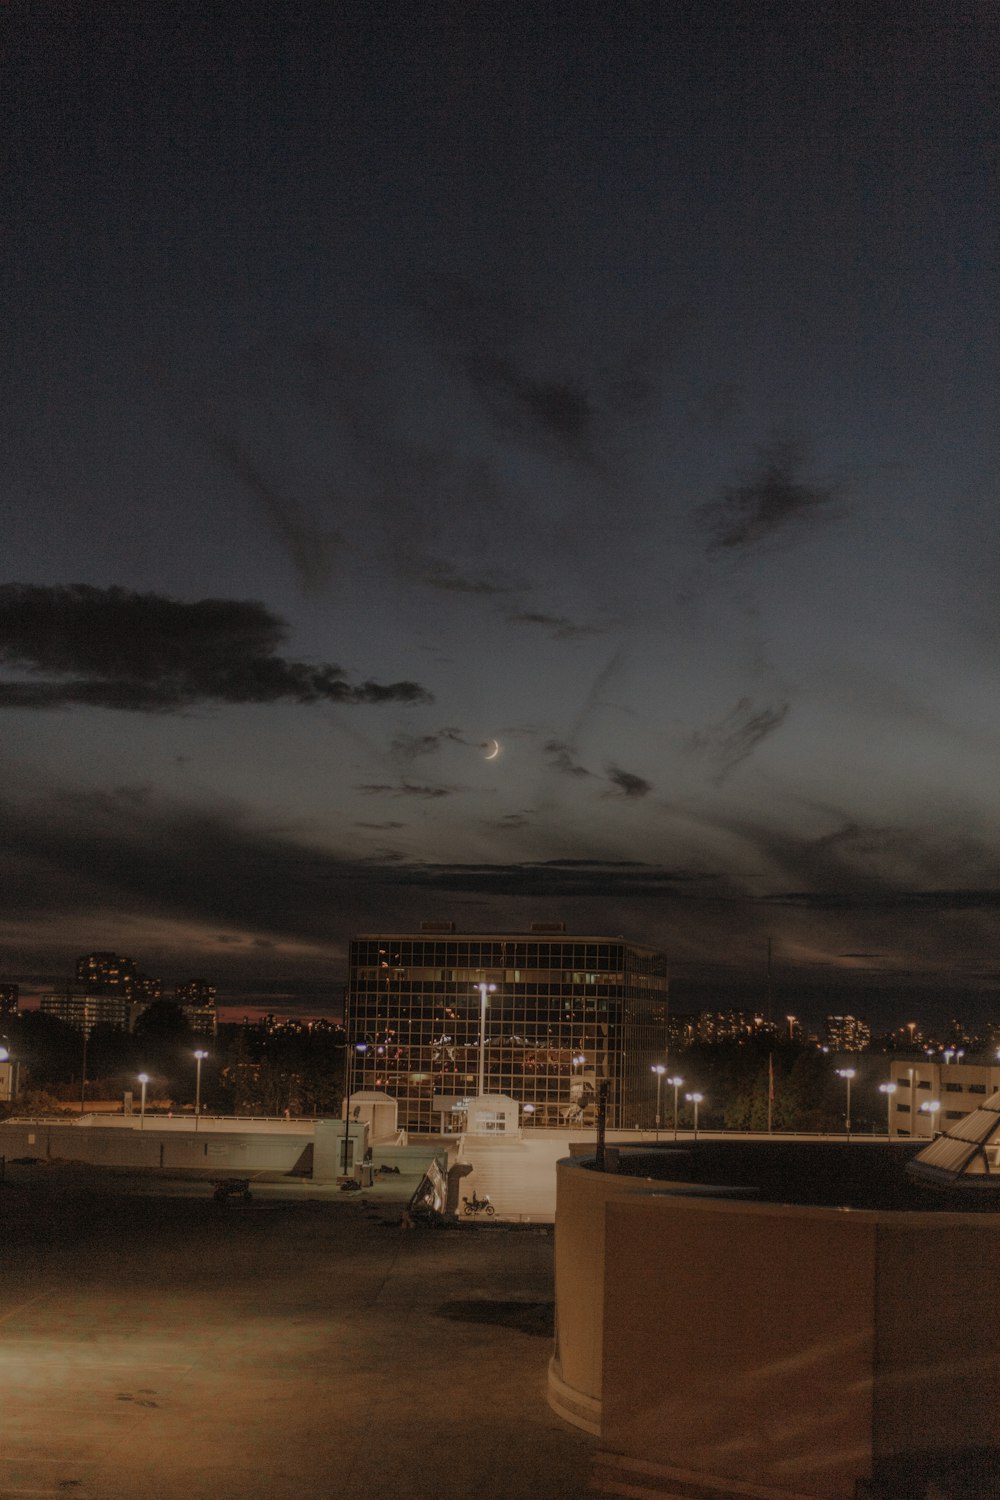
474,1205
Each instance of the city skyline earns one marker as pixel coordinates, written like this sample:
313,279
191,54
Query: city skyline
766,1001
501,472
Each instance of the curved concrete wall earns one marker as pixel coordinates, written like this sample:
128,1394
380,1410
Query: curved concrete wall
811,1352
574,1386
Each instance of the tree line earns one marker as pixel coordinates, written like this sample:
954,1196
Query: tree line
249,1069
261,1070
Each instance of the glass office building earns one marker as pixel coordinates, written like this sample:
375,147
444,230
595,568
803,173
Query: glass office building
566,1012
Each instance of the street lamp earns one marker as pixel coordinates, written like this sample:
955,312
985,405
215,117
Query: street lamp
675,1084
847,1074
695,1099
143,1079
888,1089
199,1058
484,990
5,1057
931,1106
349,1064
659,1070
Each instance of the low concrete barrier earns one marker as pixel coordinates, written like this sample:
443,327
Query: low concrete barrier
229,1151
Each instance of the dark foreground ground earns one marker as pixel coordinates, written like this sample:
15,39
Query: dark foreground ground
156,1344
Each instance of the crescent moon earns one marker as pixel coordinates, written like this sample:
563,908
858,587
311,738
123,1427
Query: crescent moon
494,752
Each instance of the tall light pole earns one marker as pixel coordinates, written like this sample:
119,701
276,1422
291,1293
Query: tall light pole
143,1079
931,1107
5,1057
675,1084
484,990
695,1099
349,1052
659,1070
199,1058
888,1089
847,1074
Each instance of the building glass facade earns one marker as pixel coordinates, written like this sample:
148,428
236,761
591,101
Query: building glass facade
567,1012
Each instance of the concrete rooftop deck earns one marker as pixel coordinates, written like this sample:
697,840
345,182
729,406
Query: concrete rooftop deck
154,1343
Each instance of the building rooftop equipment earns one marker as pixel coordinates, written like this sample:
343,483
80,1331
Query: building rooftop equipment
966,1157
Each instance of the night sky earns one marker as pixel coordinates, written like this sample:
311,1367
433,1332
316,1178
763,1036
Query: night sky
614,383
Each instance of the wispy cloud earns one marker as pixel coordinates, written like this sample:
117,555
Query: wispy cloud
557,877
441,575
146,653
561,628
735,737
412,746
476,331
312,549
773,498
508,823
404,789
562,758
887,899
627,783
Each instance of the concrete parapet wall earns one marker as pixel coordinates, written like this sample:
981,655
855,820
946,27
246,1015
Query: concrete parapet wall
207,1124
816,1352
230,1151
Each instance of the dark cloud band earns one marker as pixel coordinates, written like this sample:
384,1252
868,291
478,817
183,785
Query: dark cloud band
145,653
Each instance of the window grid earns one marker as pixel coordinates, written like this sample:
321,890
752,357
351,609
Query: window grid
414,1002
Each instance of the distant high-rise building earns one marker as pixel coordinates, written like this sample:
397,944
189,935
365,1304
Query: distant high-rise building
681,1030
847,1034
109,975
105,973
195,992
730,1025
85,1008
565,1015
9,997
197,1000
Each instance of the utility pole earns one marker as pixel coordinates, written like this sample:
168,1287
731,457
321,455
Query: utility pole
602,1120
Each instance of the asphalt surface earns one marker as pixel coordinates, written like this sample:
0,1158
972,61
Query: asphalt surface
154,1343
